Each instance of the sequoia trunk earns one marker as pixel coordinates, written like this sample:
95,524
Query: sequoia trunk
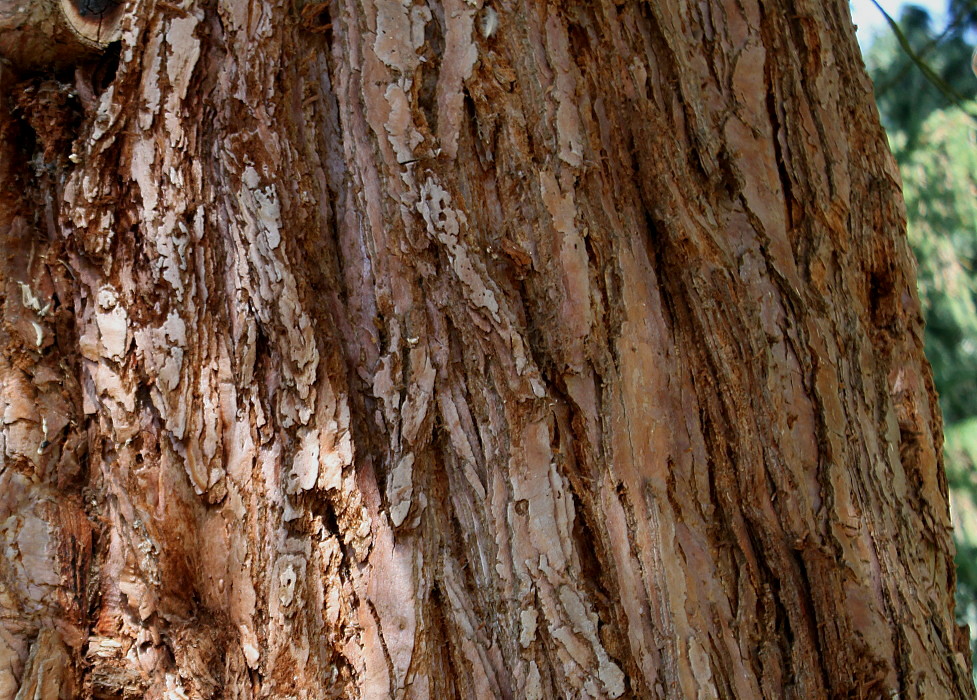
521,350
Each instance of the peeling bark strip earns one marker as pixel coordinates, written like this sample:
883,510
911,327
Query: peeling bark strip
369,349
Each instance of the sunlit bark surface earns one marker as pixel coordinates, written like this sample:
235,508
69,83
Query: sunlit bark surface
519,349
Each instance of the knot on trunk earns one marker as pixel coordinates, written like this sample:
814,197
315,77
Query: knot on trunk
54,33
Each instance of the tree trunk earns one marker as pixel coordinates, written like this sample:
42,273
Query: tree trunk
519,350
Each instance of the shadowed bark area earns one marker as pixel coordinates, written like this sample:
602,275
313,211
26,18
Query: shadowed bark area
517,350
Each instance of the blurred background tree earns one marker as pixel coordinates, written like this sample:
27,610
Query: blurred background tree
918,71
926,89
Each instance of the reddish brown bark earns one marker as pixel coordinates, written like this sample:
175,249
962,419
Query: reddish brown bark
524,350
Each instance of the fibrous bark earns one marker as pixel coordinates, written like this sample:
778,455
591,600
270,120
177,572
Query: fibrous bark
527,350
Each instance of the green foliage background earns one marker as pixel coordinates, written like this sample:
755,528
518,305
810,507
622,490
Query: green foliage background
925,90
